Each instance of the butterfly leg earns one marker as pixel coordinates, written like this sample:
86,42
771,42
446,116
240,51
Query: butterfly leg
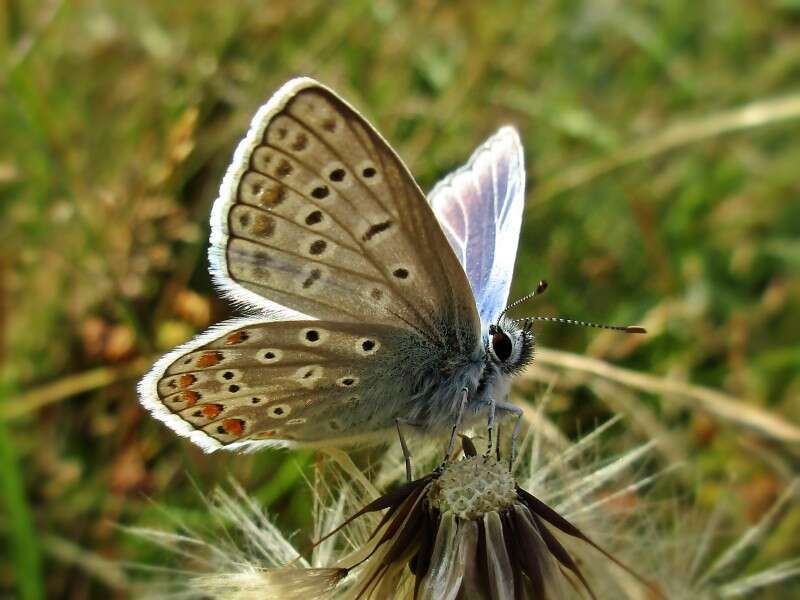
497,446
517,412
490,428
461,406
406,454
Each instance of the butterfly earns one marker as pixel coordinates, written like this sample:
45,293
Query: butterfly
369,304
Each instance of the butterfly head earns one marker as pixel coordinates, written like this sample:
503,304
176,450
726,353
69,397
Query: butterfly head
509,345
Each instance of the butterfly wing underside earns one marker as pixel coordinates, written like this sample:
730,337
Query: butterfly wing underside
318,227
320,216
251,383
480,209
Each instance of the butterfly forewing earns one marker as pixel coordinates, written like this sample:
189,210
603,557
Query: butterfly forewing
480,209
326,220
253,382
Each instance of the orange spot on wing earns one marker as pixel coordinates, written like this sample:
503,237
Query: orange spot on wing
211,410
186,380
273,196
267,434
233,426
209,359
190,397
237,337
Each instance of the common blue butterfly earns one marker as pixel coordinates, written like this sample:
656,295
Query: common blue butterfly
369,304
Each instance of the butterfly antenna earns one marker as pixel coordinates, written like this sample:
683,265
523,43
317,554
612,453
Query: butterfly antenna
540,288
625,329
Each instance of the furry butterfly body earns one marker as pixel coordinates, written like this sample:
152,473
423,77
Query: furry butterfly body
370,302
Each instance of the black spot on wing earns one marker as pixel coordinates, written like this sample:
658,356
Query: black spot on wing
376,229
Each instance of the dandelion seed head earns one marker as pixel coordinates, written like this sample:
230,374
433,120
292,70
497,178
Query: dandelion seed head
471,530
472,487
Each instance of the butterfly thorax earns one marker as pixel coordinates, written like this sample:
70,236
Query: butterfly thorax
427,383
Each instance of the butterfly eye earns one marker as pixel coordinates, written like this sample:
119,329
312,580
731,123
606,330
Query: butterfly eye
501,345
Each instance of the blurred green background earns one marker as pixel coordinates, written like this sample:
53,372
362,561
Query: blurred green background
663,149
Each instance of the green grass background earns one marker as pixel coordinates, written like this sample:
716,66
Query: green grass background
648,201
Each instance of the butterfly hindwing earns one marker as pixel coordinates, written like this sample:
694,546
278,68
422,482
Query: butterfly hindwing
320,216
480,209
253,383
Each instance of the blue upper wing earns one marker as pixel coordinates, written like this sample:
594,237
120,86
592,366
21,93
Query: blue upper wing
479,206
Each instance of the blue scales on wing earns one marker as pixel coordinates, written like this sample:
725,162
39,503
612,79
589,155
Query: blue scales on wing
479,206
